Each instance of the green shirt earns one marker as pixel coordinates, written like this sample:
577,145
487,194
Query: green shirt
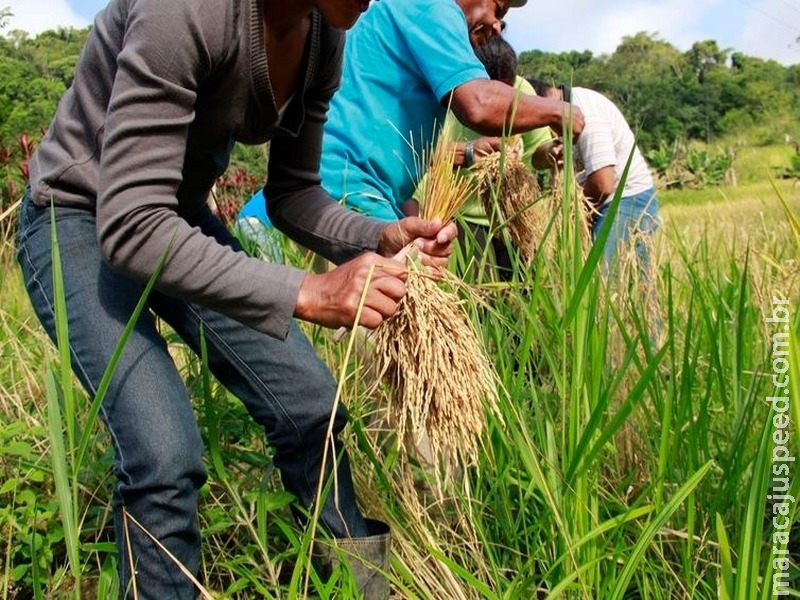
473,211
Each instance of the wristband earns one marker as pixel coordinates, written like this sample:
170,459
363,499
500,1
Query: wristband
469,154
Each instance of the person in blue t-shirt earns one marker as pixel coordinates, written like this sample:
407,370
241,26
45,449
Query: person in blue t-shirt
261,237
406,62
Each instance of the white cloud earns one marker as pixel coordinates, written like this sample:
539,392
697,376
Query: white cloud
35,16
771,28
764,29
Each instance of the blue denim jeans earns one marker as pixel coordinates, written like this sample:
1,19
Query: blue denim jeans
637,213
148,413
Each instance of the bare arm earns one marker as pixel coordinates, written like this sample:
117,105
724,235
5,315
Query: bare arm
486,106
600,185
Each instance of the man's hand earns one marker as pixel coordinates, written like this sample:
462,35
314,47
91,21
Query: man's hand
332,299
570,110
549,155
485,146
433,239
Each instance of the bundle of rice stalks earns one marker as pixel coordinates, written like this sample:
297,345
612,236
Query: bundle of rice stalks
440,377
567,215
509,191
438,373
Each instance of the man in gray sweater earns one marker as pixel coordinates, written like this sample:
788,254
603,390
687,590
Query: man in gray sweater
161,92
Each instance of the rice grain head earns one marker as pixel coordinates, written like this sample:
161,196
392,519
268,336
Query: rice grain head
429,352
441,380
509,193
444,190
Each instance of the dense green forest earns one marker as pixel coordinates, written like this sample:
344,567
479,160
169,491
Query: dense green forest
708,94
34,73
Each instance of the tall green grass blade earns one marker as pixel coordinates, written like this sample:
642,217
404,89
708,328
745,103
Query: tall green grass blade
61,475
646,537
62,333
211,419
66,479
586,456
108,582
748,564
562,588
35,576
726,562
105,382
598,247
596,534
668,409
780,549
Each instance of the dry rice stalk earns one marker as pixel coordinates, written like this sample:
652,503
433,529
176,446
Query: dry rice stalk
438,371
424,528
509,190
632,288
579,211
429,352
444,190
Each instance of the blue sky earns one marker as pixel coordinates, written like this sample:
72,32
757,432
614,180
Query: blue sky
764,28
86,8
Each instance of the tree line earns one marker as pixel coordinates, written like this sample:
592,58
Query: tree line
707,93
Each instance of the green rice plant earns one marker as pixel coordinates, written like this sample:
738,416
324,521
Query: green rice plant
558,374
69,452
753,572
534,520
615,467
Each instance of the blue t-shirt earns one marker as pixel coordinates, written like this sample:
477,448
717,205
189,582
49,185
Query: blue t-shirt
255,208
401,59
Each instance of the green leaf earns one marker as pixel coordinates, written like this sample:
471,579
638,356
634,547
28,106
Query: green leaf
646,537
726,564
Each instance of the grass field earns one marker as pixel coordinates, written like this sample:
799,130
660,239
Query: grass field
616,468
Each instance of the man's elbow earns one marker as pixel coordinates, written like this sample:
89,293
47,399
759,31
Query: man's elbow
468,113
476,106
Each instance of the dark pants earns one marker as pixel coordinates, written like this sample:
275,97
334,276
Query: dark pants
498,256
148,413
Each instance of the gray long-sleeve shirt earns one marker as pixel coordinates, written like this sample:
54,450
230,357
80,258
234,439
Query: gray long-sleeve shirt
162,91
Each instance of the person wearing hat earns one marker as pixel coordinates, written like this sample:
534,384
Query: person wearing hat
406,62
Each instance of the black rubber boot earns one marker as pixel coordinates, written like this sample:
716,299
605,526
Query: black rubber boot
367,558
